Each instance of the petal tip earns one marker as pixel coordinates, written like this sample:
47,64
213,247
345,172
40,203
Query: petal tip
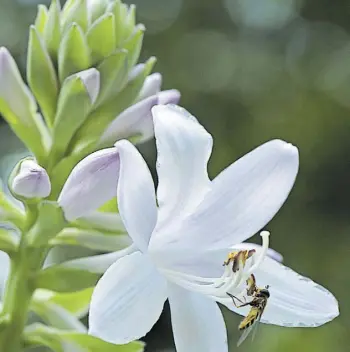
287,147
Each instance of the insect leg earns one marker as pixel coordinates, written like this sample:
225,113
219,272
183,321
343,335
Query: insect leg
233,299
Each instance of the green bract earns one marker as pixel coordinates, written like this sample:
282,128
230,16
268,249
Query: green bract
84,34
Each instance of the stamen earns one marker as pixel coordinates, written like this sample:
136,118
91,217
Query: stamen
265,246
237,270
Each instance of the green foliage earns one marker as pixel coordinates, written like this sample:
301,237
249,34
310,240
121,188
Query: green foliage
77,302
52,32
49,221
73,107
41,76
61,341
74,53
101,37
62,278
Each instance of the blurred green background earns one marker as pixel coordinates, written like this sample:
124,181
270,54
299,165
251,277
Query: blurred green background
250,71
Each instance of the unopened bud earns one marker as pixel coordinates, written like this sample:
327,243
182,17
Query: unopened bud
31,181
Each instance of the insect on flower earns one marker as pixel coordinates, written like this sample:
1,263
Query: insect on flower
258,303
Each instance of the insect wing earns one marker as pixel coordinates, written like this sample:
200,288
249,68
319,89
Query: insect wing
255,326
245,334
252,329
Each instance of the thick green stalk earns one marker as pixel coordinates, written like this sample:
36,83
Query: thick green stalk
25,264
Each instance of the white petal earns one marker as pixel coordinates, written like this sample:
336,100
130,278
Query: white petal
198,325
127,301
136,120
171,96
4,272
91,80
151,86
295,300
31,181
136,195
92,182
184,148
243,198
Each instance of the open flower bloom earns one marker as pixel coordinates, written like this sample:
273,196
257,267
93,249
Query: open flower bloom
185,240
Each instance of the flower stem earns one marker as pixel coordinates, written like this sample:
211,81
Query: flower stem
20,287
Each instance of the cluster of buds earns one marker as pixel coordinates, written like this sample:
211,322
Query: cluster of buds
86,88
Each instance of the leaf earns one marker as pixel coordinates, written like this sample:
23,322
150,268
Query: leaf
41,19
74,104
129,22
74,53
78,274
77,303
56,316
9,212
41,76
8,241
104,221
97,8
91,239
52,33
65,279
115,8
133,45
113,72
50,221
41,334
18,107
101,38
75,12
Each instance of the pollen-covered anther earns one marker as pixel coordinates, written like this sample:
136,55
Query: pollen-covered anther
237,258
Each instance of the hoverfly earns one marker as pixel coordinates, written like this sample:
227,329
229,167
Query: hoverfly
258,303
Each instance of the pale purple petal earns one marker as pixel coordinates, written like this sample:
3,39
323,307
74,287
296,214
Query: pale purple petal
92,183
151,86
134,121
31,181
171,96
91,80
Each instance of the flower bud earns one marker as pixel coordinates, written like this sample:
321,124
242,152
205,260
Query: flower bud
91,183
31,181
91,80
151,86
136,122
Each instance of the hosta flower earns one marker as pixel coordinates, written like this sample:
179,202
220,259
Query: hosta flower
185,237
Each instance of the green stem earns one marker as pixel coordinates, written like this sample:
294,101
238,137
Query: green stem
20,287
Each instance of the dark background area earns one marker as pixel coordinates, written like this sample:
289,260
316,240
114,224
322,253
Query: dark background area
250,71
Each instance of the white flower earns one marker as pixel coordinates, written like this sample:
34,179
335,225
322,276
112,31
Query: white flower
183,242
31,181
